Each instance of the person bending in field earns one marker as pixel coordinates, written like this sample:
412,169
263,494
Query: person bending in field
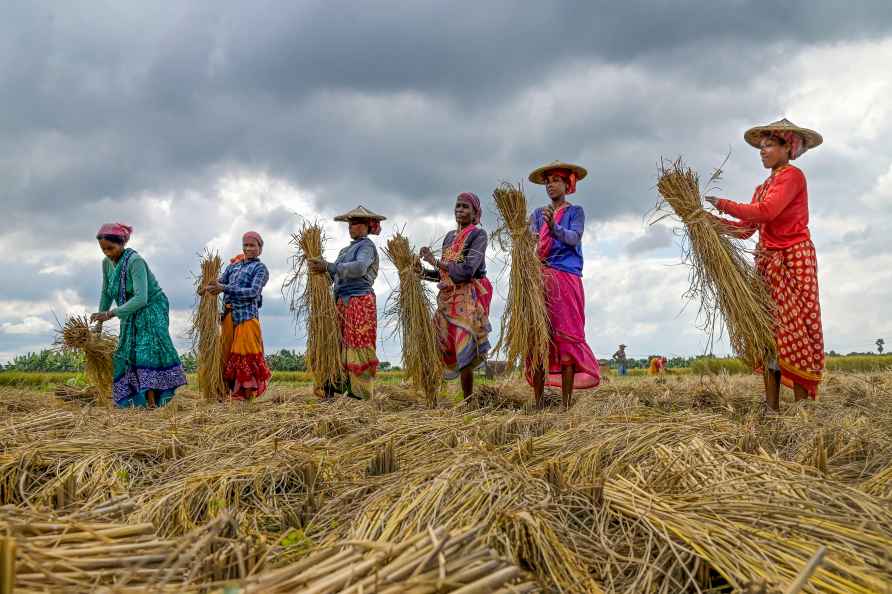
353,274
147,367
244,365
559,226
462,317
785,257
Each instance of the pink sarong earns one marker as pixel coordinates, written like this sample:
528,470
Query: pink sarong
565,300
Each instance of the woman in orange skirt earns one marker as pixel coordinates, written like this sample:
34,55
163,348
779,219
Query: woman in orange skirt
245,370
785,257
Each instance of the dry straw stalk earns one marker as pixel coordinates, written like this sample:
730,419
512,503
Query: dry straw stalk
412,311
312,302
98,348
206,334
525,330
722,276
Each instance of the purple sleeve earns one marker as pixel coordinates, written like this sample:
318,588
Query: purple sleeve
569,231
462,272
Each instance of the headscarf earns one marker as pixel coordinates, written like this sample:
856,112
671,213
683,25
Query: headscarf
568,176
474,201
117,229
793,140
255,236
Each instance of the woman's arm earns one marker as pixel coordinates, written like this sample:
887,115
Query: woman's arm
784,188
252,291
105,300
358,267
571,233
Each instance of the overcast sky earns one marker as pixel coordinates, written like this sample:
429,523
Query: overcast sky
195,121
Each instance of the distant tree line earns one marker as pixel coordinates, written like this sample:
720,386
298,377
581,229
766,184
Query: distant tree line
49,360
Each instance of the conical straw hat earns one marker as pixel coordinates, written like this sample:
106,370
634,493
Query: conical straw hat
360,212
754,135
538,174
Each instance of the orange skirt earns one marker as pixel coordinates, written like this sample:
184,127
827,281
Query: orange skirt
245,369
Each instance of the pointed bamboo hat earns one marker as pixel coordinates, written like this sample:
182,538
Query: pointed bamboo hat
810,138
360,212
538,174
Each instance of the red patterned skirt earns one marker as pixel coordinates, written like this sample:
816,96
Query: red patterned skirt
359,327
245,369
792,277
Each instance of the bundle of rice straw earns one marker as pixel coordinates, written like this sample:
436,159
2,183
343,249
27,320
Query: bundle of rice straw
312,302
722,274
525,329
412,311
206,334
98,349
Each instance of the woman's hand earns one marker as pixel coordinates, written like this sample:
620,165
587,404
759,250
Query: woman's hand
214,288
548,216
714,200
317,265
428,256
101,316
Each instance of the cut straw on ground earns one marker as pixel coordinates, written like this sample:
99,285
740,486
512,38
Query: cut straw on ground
312,305
525,330
723,278
411,310
205,332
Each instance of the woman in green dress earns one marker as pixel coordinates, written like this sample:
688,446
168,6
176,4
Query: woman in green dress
147,367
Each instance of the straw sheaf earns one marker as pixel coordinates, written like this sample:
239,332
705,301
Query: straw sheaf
722,275
98,348
206,332
525,331
410,309
312,304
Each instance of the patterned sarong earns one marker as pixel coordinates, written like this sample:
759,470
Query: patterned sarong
792,278
462,316
359,327
245,370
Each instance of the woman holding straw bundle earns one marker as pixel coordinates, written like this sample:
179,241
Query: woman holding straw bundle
559,226
785,257
244,365
462,316
147,367
353,275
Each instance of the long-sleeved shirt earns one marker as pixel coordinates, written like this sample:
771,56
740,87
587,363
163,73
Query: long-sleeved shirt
140,286
243,283
354,271
566,251
471,265
778,210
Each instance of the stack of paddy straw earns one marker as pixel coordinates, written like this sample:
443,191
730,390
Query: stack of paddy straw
98,348
413,313
205,332
313,302
722,276
525,328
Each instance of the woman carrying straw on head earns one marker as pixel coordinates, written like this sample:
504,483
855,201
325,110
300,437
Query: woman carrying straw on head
244,365
353,274
560,225
785,257
462,317
147,367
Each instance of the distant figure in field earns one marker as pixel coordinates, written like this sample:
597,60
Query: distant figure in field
621,359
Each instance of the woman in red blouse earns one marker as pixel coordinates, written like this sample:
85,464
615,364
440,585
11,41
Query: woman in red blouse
785,257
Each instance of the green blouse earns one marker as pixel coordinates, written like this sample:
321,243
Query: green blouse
140,289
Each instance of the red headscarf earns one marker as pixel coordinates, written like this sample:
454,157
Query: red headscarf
568,176
474,201
117,229
255,236
793,140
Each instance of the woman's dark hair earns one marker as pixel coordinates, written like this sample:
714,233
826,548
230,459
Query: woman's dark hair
112,238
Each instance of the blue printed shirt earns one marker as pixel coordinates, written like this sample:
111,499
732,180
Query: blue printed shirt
243,283
566,251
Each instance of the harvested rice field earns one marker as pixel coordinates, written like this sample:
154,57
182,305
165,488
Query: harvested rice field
682,486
